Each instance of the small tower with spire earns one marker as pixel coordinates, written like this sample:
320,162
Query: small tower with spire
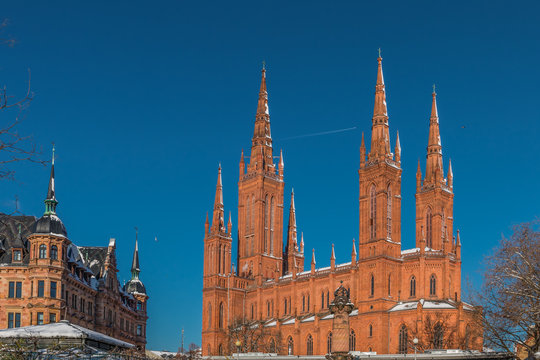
434,194
293,253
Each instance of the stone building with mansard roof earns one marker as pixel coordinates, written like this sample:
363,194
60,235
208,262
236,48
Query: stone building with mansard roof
398,294
45,278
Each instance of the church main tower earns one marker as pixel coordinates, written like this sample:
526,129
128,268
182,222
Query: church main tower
260,201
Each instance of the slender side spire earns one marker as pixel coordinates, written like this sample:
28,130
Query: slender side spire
418,177
362,152
333,259
450,174
261,148
380,138
242,164
281,164
333,256
218,222
302,242
313,262
291,237
229,225
398,149
434,164
353,254
50,201
135,269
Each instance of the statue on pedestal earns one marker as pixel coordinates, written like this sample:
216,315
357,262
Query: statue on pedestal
341,307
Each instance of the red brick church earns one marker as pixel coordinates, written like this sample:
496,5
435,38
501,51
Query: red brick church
398,294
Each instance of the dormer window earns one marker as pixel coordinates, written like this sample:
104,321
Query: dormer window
17,255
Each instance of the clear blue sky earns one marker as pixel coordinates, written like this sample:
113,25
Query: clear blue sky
143,99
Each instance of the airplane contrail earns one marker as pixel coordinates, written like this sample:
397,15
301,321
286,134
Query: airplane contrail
319,133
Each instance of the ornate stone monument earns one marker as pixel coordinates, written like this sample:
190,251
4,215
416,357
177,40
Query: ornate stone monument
341,307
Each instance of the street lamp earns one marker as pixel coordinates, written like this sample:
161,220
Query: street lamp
415,342
238,343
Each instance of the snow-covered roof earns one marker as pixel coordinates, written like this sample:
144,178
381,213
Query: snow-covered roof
270,324
328,317
405,306
290,321
62,329
437,305
309,319
409,251
354,312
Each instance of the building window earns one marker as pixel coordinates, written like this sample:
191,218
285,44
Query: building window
42,251
272,346
438,336
309,345
303,303
252,311
139,330
285,302
267,308
272,226
41,288
90,308
390,285
54,252
413,286
290,346
329,343
74,303
432,285
389,213
139,305
252,220
52,318
221,315
322,300
327,298
220,350
53,289
370,330
429,230
373,212
40,318
308,302
403,340
209,315
372,285
14,320
266,219
352,341
17,256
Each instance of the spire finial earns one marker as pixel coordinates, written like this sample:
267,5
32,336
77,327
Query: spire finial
264,65
379,52
434,89
135,269
53,150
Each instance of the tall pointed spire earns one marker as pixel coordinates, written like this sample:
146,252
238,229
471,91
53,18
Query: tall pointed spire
261,148
418,177
380,138
362,152
450,176
218,214
135,268
397,151
434,149
50,201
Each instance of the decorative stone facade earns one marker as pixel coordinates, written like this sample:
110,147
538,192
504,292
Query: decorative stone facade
397,294
45,278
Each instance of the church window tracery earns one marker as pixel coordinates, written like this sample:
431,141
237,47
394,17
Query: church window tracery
373,212
413,286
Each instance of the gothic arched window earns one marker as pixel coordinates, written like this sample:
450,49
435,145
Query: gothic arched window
221,315
322,300
389,212
438,336
209,315
266,219
352,341
413,286
248,219
309,345
272,346
467,337
370,330
373,212
290,346
432,285
372,285
42,251
327,298
308,302
272,226
429,229
389,284
329,343
268,308
403,340
220,350
54,252
252,218
285,311
303,303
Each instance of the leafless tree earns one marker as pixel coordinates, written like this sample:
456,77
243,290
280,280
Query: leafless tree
437,331
14,147
510,294
252,336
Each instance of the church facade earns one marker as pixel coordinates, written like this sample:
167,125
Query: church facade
46,278
398,294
